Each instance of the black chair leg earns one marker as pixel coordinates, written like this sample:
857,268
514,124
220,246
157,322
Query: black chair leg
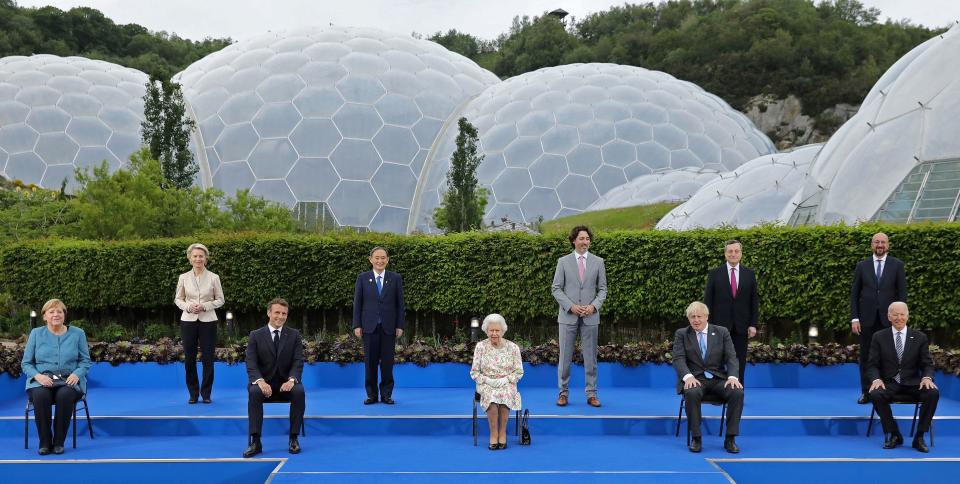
474,422
26,426
303,427
913,423
679,417
873,411
516,419
89,422
74,425
723,417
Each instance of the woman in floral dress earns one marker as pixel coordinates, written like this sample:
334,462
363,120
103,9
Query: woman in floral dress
497,368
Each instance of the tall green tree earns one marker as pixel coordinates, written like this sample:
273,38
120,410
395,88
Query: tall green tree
166,132
464,202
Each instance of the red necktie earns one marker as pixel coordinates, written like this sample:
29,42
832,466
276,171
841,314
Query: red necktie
733,281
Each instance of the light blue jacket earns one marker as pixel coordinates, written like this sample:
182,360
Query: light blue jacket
46,351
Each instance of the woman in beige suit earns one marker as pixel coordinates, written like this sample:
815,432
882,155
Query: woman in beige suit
199,294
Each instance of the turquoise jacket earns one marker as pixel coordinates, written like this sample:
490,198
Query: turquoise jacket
46,351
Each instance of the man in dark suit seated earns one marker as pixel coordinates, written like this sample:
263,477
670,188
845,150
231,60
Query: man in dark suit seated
274,366
900,366
877,281
379,318
706,362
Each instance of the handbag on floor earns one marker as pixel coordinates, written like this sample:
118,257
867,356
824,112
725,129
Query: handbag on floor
525,428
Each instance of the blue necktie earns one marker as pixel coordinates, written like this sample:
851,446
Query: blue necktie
702,339
879,269
379,284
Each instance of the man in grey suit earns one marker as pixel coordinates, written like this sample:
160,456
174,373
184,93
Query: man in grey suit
706,363
579,286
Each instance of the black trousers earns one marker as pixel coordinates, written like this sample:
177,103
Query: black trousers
715,386
866,336
206,333
378,351
296,397
740,347
881,401
44,398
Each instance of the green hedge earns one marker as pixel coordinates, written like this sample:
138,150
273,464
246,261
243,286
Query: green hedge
804,274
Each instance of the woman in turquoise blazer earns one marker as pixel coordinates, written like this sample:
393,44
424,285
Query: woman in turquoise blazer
55,363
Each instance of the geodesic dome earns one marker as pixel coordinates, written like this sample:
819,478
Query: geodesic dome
898,158
670,186
61,113
339,117
763,190
557,138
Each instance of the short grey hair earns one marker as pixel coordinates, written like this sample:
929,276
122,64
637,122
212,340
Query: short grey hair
196,246
698,307
495,319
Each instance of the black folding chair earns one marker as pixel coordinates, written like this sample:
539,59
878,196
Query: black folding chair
29,408
707,398
913,422
476,403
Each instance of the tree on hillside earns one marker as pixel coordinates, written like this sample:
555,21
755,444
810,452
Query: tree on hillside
464,202
166,132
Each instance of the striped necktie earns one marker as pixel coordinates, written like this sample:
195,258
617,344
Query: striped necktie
898,341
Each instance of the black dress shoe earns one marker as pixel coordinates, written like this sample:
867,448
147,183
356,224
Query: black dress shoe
696,445
43,450
192,400
207,400
370,401
58,449
730,445
864,399
920,445
388,400
294,447
893,441
253,449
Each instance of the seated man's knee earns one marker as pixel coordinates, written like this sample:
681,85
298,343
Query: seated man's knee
297,391
256,393
878,396
693,392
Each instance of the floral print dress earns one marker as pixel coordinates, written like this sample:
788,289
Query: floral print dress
491,363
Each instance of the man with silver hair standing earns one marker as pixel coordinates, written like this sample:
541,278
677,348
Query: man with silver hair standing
580,287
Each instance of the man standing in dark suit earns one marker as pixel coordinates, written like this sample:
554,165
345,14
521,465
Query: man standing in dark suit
731,296
706,363
379,316
900,366
877,282
274,366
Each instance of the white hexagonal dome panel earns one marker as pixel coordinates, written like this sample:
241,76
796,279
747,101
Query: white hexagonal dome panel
339,116
581,130
60,113
905,125
763,190
670,186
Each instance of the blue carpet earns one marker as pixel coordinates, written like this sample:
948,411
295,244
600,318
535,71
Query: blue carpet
141,472
876,472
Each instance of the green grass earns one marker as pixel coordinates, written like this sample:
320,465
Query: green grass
643,217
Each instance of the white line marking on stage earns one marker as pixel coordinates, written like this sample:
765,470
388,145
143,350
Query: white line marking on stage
280,460
386,473
470,417
836,459
717,466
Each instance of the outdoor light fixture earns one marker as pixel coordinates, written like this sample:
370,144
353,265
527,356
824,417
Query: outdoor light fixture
33,319
229,323
813,333
474,329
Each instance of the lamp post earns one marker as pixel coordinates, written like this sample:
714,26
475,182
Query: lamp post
229,324
33,319
474,329
813,333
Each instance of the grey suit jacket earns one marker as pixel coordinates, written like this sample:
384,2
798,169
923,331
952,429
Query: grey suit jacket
721,358
568,290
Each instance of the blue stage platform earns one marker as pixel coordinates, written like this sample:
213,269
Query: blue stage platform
800,423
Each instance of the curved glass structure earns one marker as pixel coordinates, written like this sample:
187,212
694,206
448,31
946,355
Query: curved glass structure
340,119
875,166
670,186
557,138
764,190
62,113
